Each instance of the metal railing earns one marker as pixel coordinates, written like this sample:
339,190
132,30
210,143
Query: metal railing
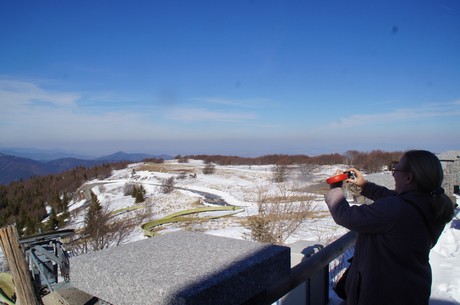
304,270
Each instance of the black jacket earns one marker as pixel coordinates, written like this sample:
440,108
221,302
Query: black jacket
391,260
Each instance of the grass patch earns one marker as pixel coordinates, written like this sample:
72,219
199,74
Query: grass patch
152,227
167,168
288,199
127,209
319,188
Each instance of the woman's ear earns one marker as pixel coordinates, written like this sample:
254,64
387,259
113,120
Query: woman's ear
409,178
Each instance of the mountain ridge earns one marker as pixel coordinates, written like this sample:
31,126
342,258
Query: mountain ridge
16,168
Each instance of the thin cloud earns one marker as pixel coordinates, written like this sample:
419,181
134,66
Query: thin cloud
447,7
188,114
398,115
14,93
65,125
21,97
245,103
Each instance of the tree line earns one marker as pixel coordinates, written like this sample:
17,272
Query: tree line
369,162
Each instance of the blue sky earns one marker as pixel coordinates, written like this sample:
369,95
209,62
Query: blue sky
230,77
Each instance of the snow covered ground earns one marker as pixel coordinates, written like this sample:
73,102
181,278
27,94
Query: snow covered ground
445,262
239,185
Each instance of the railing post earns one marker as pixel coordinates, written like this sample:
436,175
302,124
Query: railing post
301,272
315,289
318,287
25,291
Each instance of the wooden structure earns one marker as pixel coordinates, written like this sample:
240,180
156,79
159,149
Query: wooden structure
25,291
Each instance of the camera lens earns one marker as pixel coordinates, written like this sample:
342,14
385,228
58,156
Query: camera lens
351,174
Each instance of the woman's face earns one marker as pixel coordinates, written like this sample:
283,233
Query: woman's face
401,176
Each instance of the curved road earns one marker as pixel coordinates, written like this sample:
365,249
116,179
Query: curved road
209,197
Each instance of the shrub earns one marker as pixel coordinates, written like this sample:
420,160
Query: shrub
167,186
279,215
209,169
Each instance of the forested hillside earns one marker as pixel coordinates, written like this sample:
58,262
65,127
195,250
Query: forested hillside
24,202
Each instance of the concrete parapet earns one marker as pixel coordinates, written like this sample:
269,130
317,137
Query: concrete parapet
182,268
69,296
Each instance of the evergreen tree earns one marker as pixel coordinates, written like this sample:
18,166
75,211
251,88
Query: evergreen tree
93,215
64,208
97,226
53,221
139,194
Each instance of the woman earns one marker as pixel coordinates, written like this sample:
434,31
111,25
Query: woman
395,233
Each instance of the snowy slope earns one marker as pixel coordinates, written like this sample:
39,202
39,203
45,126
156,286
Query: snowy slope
239,185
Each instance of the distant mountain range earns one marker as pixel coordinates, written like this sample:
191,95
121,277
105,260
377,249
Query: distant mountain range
14,167
41,154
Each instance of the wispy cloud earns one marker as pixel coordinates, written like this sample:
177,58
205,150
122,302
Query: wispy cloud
217,109
14,93
19,98
189,114
33,113
398,115
244,103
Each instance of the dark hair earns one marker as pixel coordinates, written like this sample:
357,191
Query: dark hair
428,175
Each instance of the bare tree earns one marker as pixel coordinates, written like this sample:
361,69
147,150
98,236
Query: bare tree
280,214
101,229
182,175
181,159
167,186
121,229
280,172
259,225
128,189
305,171
209,169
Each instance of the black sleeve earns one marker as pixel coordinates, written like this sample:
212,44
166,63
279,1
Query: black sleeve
374,191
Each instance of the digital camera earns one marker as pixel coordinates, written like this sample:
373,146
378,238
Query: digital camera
341,177
350,174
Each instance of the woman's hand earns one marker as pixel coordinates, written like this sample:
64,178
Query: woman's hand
358,180
337,184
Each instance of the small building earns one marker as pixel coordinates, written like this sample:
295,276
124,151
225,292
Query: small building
450,161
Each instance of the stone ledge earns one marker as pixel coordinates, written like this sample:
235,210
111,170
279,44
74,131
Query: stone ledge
183,268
